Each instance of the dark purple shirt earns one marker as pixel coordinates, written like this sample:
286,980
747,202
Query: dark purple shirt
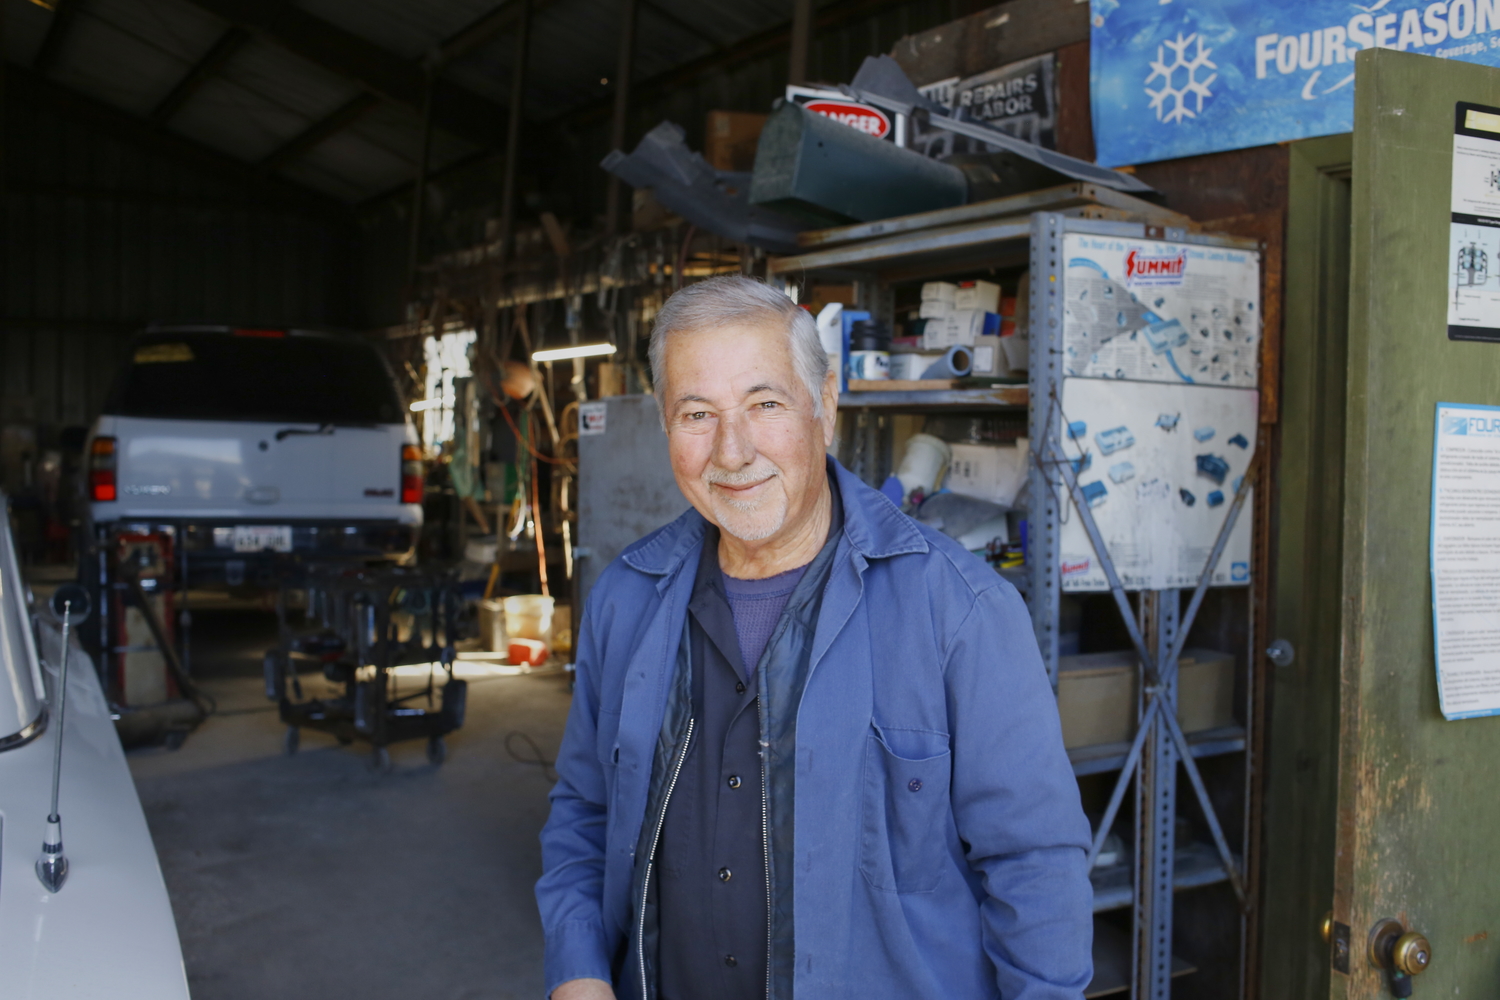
757,606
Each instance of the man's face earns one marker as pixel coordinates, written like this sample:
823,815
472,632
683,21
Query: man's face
746,447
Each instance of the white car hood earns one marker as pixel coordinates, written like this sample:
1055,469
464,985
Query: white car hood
109,933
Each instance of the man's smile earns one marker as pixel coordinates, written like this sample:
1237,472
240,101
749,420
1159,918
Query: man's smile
742,491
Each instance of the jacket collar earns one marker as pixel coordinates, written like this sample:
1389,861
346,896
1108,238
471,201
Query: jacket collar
874,526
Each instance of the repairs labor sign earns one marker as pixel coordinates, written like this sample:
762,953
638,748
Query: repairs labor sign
1177,79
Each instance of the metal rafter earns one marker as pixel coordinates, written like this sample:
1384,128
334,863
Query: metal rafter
831,16
455,109
225,49
30,88
305,141
64,12
681,25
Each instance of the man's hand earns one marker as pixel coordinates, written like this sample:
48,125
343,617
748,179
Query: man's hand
584,989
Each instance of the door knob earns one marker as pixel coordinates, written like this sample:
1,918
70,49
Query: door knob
1411,953
1401,953
1325,929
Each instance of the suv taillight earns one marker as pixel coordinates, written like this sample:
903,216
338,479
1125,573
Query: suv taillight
102,469
411,474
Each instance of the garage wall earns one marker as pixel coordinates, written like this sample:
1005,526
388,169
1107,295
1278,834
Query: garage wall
107,226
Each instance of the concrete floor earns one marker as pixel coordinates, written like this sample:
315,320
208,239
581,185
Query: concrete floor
310,876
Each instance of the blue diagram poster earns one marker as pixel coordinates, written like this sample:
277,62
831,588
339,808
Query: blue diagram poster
1177,78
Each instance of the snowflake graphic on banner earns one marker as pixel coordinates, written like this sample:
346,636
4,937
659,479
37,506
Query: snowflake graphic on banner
1171,101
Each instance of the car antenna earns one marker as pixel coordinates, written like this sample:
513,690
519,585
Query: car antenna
70,604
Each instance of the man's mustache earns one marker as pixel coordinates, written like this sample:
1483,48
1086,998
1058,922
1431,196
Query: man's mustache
741,477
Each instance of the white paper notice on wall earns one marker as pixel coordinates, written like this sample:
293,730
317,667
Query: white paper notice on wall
592,417
1159,465
1474,225
1465,556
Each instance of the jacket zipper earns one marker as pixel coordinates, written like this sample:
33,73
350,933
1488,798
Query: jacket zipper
765,847
640,935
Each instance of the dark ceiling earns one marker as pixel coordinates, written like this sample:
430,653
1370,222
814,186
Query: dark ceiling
328,94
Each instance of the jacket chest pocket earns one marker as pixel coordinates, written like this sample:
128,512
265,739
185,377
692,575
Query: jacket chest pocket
904,811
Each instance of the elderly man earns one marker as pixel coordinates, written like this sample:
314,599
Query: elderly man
812,750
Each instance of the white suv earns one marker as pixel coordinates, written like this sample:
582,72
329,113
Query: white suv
248,445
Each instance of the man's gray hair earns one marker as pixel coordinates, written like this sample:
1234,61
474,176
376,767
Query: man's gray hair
737,300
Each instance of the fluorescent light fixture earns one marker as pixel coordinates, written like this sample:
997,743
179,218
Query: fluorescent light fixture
428,404
577,351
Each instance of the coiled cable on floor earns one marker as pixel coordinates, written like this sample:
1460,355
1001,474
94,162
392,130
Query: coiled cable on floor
537,757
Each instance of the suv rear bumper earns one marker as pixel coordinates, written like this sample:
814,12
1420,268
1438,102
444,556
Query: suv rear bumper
208,558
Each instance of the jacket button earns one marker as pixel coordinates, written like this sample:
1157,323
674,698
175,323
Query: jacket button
725,874
734,781
915,784
730,961
739,687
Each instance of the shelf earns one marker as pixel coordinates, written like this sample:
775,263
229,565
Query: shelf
1111,756
1046,200
1194,866
1112,962
938,399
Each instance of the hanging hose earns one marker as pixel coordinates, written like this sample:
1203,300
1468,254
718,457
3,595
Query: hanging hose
205,702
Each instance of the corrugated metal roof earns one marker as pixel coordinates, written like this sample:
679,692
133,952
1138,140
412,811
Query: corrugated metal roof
132,53
401,26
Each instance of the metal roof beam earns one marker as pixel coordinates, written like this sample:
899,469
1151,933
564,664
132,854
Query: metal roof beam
831,16
319,131
505,14
455,109
202,71
63,14
29,88
681,25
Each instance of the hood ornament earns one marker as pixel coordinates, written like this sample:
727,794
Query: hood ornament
70,605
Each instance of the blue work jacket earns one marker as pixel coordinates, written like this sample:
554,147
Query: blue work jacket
939,841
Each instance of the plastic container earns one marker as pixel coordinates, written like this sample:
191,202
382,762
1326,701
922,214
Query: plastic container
923,462
527,652
869,351
492,633
529,616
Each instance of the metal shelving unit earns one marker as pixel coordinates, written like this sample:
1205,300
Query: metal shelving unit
1012,233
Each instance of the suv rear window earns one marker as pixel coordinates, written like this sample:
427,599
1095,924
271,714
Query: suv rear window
296,378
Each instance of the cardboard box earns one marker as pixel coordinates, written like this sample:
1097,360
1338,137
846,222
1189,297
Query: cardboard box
993,472
990,360
647,214
1096,695
730,139
1096,698
1017,351
981,295
935,309
939,291
909,366
966,326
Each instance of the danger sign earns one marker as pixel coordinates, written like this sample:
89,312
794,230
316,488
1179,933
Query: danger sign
871,121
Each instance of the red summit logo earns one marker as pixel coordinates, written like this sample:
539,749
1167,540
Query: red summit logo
1155,269
1074,568
866,119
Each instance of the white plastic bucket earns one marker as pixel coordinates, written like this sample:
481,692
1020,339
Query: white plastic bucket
923,462
529,616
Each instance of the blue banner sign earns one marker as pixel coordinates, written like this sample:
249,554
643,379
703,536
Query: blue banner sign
1175,78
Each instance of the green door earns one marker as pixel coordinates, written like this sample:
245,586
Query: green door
1418,797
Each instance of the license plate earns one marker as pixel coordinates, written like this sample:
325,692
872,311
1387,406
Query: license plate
260,537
